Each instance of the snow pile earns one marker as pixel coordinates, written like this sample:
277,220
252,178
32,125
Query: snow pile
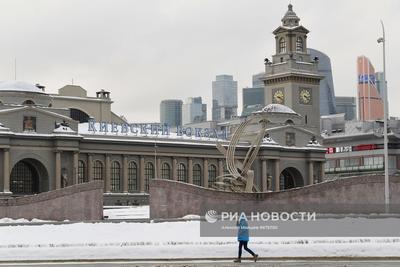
191,217
167,240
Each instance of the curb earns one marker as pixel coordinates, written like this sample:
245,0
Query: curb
181,260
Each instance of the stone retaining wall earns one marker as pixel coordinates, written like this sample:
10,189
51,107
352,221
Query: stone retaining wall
172,199
75,203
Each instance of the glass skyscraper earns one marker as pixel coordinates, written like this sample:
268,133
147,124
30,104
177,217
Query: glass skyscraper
224,95
194,110
370,103
346,105
326,89
254,97
171,112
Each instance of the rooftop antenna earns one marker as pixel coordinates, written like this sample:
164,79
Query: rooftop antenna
72,81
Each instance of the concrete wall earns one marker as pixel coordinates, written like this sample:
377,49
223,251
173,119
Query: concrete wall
171,199
74,203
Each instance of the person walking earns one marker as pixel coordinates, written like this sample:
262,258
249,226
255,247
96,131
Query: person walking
243,238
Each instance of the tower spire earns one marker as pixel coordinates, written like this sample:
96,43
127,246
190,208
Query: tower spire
290,18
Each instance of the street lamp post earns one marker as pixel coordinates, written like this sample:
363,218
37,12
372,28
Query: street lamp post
385,118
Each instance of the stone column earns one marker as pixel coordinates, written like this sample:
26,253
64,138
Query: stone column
277,174
90,167
6,171
174,169
205,173
264,175
141,175
58,170
125,174
190,170
75,167
310,172
220,167
158,168
107,184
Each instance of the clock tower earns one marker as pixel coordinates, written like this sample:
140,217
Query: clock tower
292,77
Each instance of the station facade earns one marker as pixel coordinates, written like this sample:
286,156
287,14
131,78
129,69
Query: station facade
43,148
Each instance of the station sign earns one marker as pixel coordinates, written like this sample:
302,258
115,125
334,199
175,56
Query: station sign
156,129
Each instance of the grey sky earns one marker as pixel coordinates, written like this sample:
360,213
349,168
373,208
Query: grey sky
144,51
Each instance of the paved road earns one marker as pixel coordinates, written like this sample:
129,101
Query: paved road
217,264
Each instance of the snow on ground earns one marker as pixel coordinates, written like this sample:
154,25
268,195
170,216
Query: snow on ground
166,240
127,212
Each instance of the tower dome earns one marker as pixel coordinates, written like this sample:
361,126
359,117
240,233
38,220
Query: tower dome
278,108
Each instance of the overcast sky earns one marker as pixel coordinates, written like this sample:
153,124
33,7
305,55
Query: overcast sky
144,51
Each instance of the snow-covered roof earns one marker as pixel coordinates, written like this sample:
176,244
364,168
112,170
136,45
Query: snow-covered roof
19,86
278,108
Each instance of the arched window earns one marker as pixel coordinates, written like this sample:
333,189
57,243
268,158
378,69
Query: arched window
289,122
197,174
115,176
282,45
78,115
132,177
148,174
299,44
24,179
28,102
82,178
98,170
165,171
212,175
182,174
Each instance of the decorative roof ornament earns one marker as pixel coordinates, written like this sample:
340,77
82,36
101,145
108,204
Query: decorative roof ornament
313,142
290,19
268,140
63,128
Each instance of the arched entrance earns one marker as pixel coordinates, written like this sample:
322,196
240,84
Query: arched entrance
28,176
290,178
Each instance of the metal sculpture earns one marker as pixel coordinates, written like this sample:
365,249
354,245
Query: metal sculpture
241,177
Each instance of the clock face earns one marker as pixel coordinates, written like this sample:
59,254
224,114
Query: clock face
278,97
305,96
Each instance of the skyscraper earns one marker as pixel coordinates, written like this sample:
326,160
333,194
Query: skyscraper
224,95
346,105
370,104
171,112
194,110
327,103
257,80
253,97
